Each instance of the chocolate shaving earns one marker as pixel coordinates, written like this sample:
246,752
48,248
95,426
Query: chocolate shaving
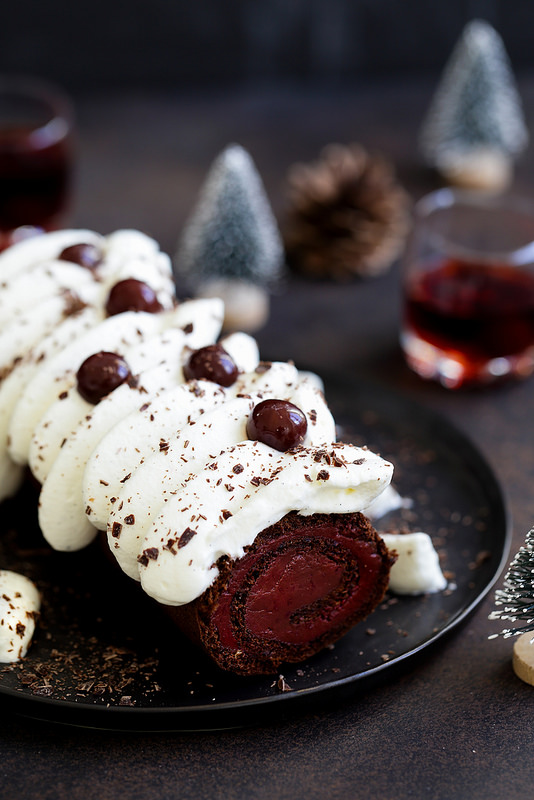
257,481
116,530
186,537
263,366
73,304
170,546
150,554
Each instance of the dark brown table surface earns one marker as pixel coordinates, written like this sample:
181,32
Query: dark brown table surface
457,723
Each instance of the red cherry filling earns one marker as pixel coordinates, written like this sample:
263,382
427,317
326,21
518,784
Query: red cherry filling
86,255
100,374
278,424
212,363
301,585
132,295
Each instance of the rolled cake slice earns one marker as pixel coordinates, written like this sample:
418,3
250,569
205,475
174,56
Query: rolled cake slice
262,556
302,584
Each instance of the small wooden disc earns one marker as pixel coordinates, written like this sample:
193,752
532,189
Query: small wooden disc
523,657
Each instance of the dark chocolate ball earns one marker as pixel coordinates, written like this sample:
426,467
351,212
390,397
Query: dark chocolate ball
278,424
86,255
212,363
100,374
132,295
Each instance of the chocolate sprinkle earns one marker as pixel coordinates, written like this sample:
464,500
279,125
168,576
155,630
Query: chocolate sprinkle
186,537
116,530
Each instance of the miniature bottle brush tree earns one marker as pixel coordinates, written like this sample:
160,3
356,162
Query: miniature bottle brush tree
474,128
231,246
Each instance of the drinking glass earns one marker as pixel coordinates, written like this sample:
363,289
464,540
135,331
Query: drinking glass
35,157
468,288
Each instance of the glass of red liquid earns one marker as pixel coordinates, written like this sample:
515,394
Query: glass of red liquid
468,285
35,157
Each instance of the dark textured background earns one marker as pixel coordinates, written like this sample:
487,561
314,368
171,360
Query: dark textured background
458,724
96,44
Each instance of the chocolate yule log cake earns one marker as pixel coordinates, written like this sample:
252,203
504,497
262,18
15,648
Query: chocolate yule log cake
216,477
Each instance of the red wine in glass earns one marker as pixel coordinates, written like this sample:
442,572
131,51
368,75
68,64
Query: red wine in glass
468,286
35,158
475,314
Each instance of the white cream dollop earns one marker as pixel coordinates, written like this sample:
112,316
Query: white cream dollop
417,569
19,604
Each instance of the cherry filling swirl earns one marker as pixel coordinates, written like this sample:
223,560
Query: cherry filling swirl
303,583
100,374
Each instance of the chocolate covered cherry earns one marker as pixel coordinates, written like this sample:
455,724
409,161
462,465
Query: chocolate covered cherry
278,424
132,295
100,374
212,363
86,255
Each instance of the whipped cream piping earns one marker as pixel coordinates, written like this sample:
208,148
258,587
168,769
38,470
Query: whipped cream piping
28,330
250,486
13,386
138,436
50,290
19,605
38,250
34,336
62,417
58,374
29,290
164,471
61,504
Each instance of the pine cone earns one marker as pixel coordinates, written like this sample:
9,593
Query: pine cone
347,215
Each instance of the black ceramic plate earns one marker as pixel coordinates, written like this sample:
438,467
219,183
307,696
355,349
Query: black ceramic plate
103,656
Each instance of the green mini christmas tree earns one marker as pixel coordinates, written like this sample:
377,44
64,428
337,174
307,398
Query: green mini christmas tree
475,128
515,601
231,245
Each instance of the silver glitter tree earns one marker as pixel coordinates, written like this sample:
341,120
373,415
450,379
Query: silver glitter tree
515,601
474,127
232,233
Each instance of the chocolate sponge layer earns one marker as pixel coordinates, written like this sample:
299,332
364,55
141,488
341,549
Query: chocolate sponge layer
303,583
